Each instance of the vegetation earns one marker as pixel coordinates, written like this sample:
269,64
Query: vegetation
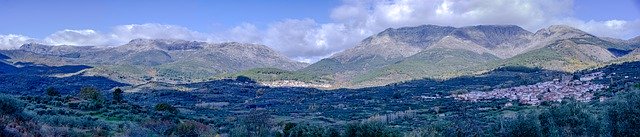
166,107
274,74
52,92
350,130
433,63
238,107
91,93
622,115
117,95
9,106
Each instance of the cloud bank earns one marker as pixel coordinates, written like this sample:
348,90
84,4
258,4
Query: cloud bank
307,40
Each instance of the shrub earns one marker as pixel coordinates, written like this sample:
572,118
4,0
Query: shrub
52,92
159,126
239,131
244,79
623,113
90,93
305,130
192,129
258,122
10,105
370,130
166,107
84,122
185,130
435,129
525,125
569,119
117,95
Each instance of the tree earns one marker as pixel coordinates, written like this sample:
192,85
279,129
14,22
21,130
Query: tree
525,125
166,107
117,95
90,93
569,119
370,130
244,79
623,113
52,92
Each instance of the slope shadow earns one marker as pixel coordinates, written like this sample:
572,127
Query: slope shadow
35,79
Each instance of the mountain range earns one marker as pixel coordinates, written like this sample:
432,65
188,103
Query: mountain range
393,55
143,60
442,52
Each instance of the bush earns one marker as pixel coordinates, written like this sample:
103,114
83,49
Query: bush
185,130
435,129
52,92
84,122
192,129
91,93
159,126
305,130
166,107
244,79
257,122
117,95
569,119
239,131
623,115
525,125
10,105
370,130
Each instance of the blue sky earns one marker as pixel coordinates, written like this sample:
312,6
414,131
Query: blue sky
37,18
305,30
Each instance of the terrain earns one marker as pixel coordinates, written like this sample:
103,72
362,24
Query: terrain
487,80
442,52
243,107
393,55
144,60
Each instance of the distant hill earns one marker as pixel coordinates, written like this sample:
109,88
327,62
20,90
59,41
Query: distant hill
165,60
441,52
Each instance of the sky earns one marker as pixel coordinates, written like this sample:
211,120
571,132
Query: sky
304,30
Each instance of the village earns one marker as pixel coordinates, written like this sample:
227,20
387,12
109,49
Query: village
579,89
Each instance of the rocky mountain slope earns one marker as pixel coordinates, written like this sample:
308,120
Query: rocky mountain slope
143,60
393,55
442,52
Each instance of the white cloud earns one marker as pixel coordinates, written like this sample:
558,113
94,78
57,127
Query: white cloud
300,39
76,37
247,33
12,41
124,33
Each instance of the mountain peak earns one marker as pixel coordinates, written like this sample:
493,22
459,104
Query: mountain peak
162,44
563,29
562,32
34,46
636,39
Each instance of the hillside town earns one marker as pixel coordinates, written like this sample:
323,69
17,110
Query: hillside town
293,83
580,89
